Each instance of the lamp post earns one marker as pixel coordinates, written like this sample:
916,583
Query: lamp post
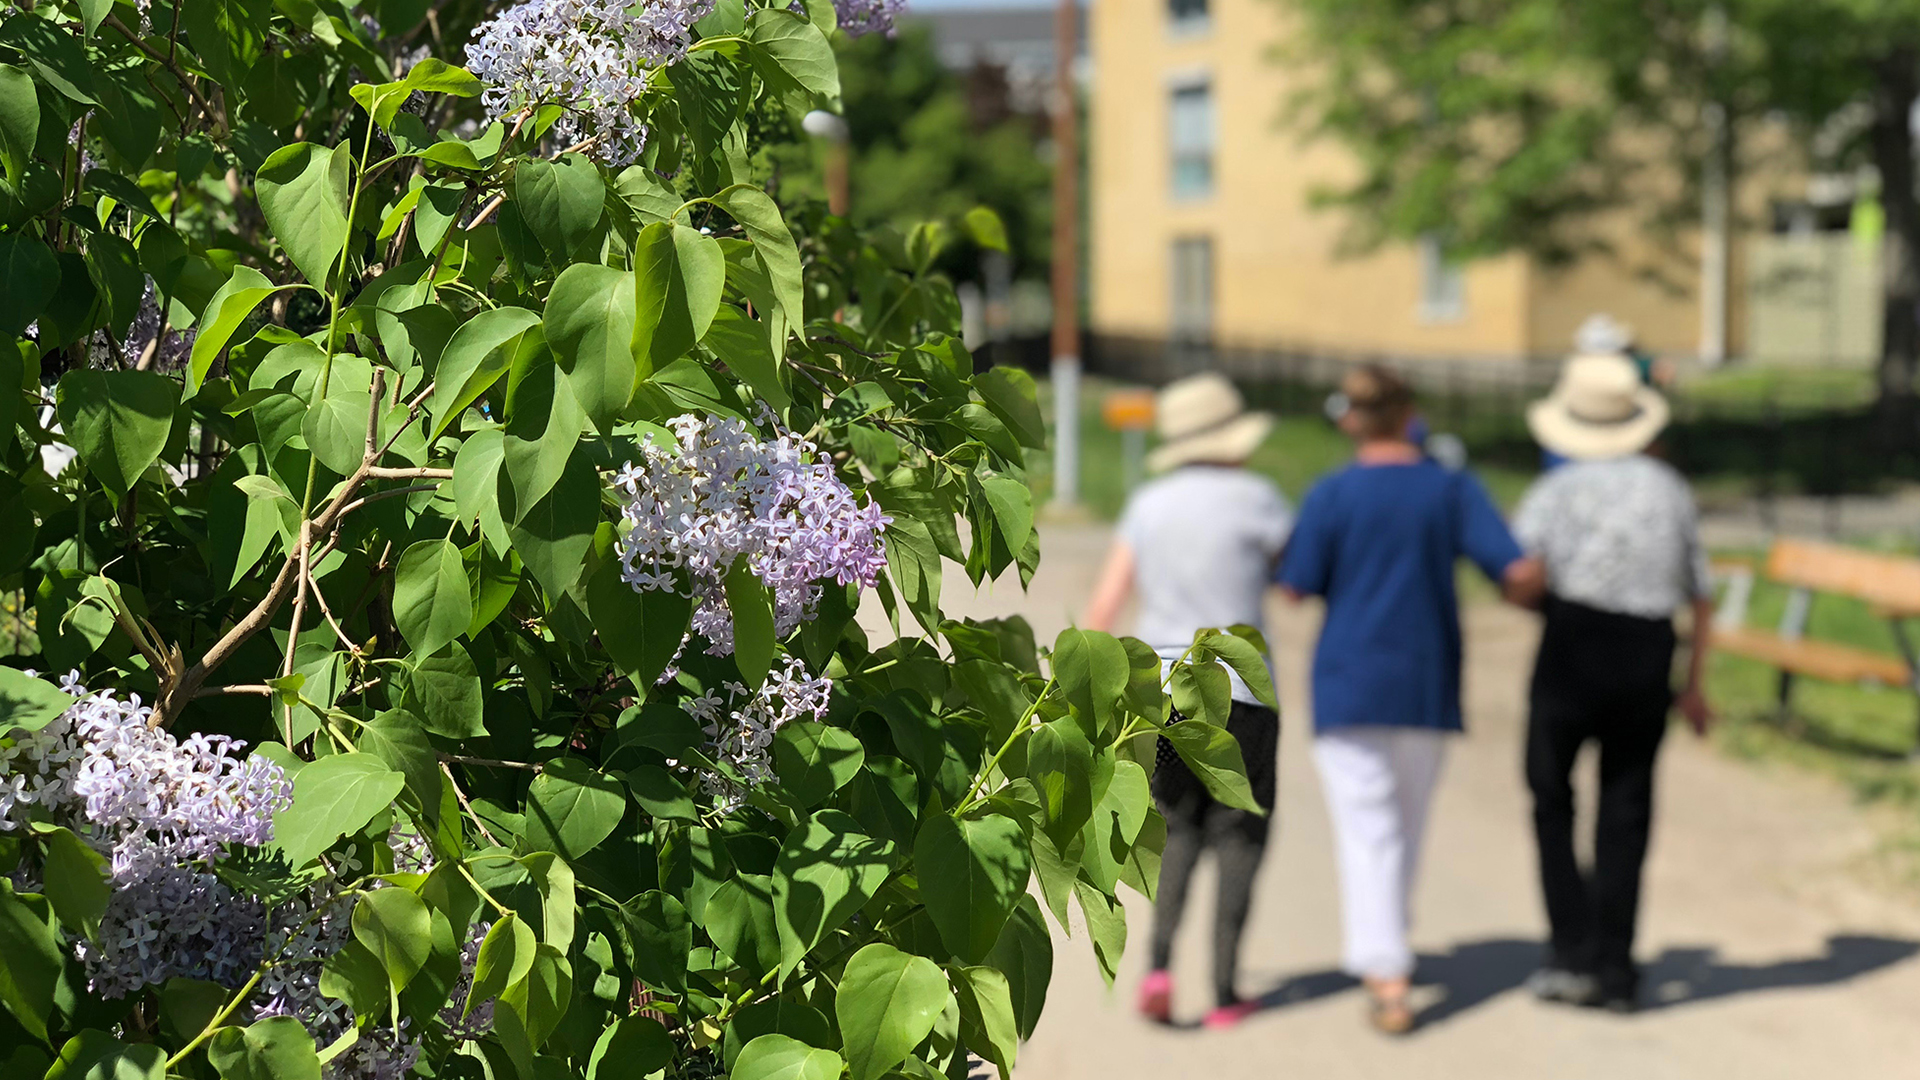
1065,365
832,128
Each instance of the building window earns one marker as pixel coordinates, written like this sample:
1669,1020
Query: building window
1191,138
1193,288
1187,15
1443,285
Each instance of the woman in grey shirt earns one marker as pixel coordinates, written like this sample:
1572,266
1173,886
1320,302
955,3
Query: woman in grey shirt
1619,537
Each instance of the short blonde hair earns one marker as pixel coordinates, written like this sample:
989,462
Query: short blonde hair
1380,400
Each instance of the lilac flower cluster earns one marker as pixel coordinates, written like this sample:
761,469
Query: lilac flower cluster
161,810
592,56
740,726
722,494
862,17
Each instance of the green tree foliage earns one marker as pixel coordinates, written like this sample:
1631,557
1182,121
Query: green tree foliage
365,518
927,142
1524,124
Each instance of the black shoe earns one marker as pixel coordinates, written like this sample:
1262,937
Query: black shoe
1563,987
1621,1004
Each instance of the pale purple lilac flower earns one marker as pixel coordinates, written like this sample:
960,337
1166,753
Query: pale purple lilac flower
862,17
740,726
722,494
591,56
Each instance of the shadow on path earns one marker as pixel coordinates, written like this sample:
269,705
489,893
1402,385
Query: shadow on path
1475,972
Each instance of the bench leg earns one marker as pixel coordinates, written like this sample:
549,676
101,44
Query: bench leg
1783,697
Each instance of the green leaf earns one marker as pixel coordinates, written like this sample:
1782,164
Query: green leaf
679,278
751,605
117,421
571,808
1201,691
29,703
230,306
335,427
33,963
541,999
1106,925
1214,756
96,1055
435,214
589,325
986,1016
987,229
888,1002
544,424
632,1046
1012,504
29,275
741,343
332,797
1060,762
777,1016
1092,670
431,601
227,35
553,537
302,190
506,955
76,882
1024,954
1009,392
641,631
740,920
781,1057
354,976
827,869
814,761
660,794
395,926
477,354
19,123
760,216
436,76
561,201
555,880
790,50
444,692
972,873
658,935
56,54
1246,661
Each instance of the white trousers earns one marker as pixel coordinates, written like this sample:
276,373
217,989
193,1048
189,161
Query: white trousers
1378,783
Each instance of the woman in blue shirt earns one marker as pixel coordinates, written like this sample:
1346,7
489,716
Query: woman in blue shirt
1379,541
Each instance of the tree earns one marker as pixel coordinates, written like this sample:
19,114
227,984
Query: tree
1524,124
927,142
446,658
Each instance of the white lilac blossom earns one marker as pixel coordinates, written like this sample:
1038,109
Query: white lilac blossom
740,726
171,348
593,57
861,17
162,811
722,494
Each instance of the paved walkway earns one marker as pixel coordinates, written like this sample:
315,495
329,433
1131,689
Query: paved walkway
1770,954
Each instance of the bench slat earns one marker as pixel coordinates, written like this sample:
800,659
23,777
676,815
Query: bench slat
1815,659
1888,581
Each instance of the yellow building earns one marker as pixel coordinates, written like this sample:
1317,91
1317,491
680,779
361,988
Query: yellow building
1201,224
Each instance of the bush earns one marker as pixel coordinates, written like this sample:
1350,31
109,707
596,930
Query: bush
447,602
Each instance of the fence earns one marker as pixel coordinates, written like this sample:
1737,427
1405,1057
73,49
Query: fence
1756,445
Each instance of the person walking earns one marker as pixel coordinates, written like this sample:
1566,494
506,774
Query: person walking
1379,540
1198,546
1619,536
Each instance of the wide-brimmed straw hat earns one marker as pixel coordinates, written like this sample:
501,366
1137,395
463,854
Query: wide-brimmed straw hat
1598,409
1202,418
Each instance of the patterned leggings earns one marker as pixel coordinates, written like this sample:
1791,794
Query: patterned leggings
1195,823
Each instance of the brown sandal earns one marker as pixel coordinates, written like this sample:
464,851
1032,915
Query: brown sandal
1390,1016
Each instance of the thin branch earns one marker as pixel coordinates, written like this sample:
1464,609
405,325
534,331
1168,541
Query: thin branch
490,763
378,473
467,806
166,61
327,612
235,688
378,495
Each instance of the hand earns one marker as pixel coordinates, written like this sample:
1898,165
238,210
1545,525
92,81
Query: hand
1693,705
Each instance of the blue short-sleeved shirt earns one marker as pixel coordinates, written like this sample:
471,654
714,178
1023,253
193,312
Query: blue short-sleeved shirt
1379,542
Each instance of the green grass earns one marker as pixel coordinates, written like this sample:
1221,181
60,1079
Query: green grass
1787,387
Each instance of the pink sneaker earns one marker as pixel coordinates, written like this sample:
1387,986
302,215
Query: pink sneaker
1227,1016
1156,997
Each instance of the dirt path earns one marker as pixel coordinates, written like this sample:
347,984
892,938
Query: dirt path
1769,955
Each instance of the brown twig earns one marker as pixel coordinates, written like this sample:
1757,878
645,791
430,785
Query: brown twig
467,806
185,82
378,473
235,688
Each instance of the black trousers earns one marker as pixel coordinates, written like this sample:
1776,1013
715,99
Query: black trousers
1602,677
1196,823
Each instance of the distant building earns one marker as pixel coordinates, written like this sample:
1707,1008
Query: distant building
1201,228
1015,41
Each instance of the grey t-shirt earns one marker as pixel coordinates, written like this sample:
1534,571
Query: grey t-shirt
1205,539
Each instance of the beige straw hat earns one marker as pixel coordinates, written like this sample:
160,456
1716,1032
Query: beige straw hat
1598,409
1202,418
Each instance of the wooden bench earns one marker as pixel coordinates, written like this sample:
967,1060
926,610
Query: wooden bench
1889,584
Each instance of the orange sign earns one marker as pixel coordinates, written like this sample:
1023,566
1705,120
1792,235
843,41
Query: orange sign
1128,410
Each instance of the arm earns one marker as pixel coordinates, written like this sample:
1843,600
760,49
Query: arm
1111,590
1692,700
1524,582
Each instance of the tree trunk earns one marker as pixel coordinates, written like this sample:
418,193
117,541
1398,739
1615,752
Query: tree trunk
1896,86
